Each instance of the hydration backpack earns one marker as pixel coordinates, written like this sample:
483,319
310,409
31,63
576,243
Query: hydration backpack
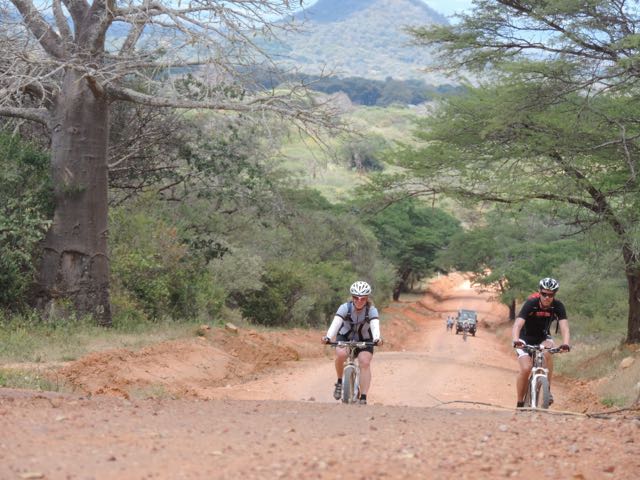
366,312
537,295
347,318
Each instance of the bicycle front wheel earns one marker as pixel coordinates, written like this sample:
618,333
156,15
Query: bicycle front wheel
543,393
349,384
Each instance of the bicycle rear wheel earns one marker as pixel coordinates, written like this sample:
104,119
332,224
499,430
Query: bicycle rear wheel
543,394
349,384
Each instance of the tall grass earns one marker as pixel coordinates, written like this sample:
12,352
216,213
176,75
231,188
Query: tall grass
32,379
601,362
28,339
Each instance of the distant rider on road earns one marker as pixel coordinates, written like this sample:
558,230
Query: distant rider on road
356,320
532,327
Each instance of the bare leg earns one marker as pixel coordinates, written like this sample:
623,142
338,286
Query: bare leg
341,356
525,363
548,358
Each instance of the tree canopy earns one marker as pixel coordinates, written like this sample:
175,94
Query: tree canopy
512,250
410,235
64,65
553,116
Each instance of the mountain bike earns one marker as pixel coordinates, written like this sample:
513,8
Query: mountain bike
351,372
538,391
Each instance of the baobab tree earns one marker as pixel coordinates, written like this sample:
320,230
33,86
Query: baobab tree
64,65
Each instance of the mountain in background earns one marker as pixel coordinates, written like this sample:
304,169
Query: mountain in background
359,38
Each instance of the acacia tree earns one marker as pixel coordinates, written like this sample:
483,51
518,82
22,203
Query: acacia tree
64,65
510,252
410,236
557,120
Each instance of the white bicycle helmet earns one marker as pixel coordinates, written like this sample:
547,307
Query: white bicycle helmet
549,283
360,289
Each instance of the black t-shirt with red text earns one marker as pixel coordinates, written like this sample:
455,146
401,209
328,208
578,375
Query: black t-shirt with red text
537,320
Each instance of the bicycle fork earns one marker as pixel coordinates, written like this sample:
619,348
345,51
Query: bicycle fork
350,383
536,372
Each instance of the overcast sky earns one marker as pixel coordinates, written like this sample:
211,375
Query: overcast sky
448,7
445,7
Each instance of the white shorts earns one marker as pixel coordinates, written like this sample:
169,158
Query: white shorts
548,343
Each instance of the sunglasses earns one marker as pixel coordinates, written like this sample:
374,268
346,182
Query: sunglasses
547,295
356,299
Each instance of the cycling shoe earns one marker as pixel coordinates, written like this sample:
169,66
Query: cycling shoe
337,391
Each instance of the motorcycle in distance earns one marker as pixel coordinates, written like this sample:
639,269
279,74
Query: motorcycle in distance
351,372
465,331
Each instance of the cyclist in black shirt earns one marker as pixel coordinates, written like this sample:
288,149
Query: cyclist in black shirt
532,326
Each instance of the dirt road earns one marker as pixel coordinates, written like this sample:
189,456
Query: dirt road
433,366
243,412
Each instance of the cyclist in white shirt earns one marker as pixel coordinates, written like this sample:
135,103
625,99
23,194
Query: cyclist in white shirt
358,320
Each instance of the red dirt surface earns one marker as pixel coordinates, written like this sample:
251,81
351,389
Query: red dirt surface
253,404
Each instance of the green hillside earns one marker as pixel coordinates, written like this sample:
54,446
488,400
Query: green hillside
362,38
325,166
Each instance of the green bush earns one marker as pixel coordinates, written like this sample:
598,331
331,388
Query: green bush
127,312
272,305
239,271
155,275
602,313
296,293
25,211
364,154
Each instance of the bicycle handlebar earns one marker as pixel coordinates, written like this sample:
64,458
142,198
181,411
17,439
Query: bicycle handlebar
353,344
535,348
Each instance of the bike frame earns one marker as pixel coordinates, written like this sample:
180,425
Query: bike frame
539,370
351,389
354,391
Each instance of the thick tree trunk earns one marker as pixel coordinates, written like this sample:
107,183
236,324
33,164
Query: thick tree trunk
512,310
75,266
633,323
401,284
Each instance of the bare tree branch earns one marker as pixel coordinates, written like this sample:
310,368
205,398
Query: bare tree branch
77,9
41,30
39,115
275,104
212,41
61,22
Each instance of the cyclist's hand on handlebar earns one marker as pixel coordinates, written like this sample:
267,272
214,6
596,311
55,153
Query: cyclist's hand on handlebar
565,348
518,343
326,340
378,342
